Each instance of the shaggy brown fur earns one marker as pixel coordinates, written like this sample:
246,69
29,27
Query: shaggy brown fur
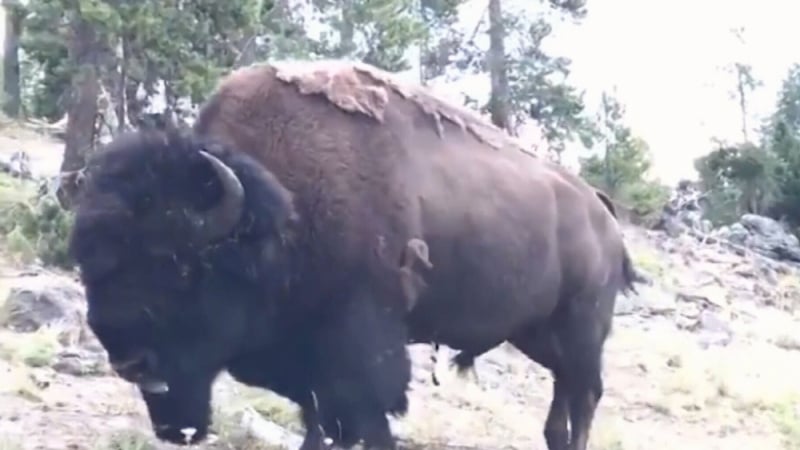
358,87
413,262
373,160
286,241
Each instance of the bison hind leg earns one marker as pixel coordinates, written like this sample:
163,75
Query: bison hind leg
571,344
464,362
540,345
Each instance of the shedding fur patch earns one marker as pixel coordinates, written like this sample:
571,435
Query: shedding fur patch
360,88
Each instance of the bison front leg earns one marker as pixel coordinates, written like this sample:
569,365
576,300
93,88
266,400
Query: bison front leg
286,369
315,433
363,371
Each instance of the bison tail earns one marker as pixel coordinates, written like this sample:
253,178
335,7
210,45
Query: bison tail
630,276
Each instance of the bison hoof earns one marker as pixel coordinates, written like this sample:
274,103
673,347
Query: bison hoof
180,436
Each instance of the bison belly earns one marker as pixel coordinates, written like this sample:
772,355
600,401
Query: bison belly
492,244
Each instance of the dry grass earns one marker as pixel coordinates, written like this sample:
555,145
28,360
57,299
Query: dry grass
20,129
17,380
16,248
126,440
8,443
14,190
786,416
237,397
231,435
787,292
723,388
648,261
607,434
37,349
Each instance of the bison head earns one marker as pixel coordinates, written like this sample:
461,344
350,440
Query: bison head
176,241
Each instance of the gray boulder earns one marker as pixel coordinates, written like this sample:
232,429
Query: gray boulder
764,236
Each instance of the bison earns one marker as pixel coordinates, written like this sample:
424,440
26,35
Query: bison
316,219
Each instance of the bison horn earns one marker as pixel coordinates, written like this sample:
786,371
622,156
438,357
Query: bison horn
219,220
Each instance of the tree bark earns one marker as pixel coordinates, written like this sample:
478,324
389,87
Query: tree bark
496,60
347,32
11,79
84,55
120,102
740,87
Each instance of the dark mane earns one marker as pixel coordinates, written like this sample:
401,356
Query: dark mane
161,167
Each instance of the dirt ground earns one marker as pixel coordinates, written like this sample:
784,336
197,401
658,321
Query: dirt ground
668,385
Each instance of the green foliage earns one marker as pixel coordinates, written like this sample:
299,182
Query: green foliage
623,166
37,228
625,161
722,207
537,81
538,87
622,174
187,45
759,178
378,32
740,179
646,198
782,137
45,72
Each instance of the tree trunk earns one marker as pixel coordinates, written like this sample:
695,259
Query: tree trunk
134,106
496,60
608,173
347,32
740,86
11,87
121,81
84,53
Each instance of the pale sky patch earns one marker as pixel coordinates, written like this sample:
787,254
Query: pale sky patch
664,61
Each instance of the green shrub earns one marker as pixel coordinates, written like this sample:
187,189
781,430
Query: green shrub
646,199
37,227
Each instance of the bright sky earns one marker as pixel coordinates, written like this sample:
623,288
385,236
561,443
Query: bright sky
665,59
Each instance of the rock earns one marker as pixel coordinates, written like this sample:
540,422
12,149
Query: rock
652,300
625,306
713,330
684,211
269,432
708,296
764,236
79,362
17,164
736,233
43,300
787,342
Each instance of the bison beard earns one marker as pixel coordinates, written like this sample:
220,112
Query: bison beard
300,247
